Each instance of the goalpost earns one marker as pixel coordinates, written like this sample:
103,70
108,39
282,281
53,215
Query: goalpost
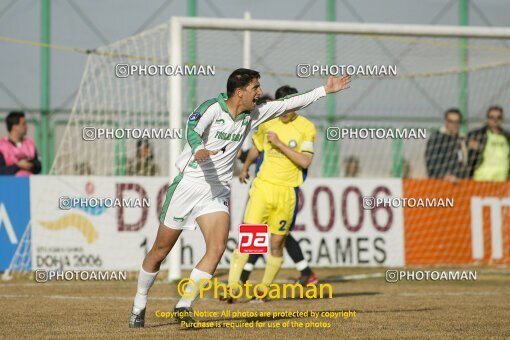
427,83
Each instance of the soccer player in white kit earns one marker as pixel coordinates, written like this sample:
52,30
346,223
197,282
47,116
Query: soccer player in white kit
199,194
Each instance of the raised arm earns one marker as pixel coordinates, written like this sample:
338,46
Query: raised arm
298,101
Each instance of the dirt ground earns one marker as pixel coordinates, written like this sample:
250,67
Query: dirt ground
410,309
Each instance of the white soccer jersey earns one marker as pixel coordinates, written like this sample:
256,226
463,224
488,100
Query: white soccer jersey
212,127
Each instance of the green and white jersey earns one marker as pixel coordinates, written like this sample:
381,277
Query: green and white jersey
212,127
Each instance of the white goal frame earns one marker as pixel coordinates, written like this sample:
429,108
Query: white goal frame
178,24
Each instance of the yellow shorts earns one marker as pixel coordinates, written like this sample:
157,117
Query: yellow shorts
271,204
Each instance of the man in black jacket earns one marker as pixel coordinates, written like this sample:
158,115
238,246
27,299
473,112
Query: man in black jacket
489,149
446,153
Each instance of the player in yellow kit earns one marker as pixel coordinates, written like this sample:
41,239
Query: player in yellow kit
285,149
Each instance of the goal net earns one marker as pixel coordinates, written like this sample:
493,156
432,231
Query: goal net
431,77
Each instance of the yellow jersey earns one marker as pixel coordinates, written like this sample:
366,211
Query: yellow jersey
273,166
495,159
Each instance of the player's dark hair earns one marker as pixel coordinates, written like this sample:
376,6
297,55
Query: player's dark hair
13,118
494,108
453,110
284,90
240,78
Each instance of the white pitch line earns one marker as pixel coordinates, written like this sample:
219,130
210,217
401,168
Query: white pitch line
453,294
343,278
362,276
70,297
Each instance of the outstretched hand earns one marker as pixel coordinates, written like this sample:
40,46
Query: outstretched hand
336,84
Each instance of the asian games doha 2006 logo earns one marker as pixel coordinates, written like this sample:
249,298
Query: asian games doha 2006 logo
77,220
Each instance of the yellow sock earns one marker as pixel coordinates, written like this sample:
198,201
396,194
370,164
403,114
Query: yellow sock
273,266
237,263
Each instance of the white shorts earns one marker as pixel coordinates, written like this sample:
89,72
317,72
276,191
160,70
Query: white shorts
186,200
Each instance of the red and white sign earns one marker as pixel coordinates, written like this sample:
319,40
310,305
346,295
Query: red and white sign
253,239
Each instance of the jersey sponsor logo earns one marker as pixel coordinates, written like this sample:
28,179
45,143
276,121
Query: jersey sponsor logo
275,153
228,136
194,116
220,121
253,239
292,143
178,219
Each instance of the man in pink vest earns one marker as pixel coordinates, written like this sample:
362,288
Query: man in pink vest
18,155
